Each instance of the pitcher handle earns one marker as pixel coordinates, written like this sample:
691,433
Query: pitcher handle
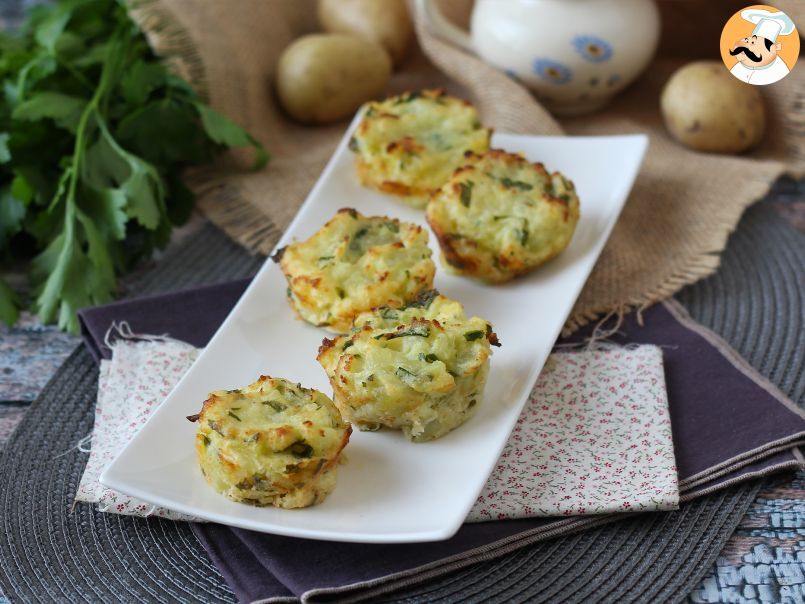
437,24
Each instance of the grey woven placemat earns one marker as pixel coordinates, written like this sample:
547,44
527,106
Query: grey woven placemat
51,550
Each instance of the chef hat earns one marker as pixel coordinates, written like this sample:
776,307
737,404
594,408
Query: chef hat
769,24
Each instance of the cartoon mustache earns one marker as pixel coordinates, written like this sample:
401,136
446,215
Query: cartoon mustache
752,56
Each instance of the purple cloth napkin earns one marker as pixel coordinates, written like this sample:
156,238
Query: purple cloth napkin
729,424
192,315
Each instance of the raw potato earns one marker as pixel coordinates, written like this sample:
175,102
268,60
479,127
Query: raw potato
383,21
323,78
707,109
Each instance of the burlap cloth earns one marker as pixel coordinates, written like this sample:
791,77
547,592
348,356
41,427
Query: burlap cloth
673,227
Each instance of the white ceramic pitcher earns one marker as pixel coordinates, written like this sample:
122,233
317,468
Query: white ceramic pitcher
573,54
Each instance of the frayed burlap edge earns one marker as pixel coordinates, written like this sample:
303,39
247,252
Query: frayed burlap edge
220,201
226,204
223,203
171,42
792,119
697,264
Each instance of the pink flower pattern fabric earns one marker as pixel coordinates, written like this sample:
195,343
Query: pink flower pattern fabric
131,386
594,437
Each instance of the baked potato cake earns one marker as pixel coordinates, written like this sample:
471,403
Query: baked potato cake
354,263
270,443
420,369
409,145
500,216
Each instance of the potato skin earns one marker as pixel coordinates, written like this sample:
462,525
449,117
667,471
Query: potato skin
385,22
323,78
500,216
408,145
420,369
270,443
354,263
707,109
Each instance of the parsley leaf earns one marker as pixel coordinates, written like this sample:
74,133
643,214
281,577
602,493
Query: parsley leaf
12,212
94,133
141,80
52,27
466,192
226,132
515,184
407,377
422,331
9,304
522,233
5,154
63,109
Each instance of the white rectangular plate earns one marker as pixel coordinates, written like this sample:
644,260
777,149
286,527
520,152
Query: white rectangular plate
390,490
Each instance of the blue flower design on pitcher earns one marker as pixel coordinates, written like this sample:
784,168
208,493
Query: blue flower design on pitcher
592,48
552,71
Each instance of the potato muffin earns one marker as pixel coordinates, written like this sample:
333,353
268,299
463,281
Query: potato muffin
410,144
354,263
500,216
270,443
420,369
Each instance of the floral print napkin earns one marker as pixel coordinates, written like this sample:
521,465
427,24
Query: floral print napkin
594,437
131,386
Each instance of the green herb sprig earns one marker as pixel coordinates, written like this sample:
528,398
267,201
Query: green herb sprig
422,331
94,135
466,192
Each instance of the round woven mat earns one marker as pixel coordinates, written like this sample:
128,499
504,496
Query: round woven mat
52,550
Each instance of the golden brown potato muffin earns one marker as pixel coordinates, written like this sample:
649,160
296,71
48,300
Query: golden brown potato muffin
354,263
500,216
270,443
410,144
420,369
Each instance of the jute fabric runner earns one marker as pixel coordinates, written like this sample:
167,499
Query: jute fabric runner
674,226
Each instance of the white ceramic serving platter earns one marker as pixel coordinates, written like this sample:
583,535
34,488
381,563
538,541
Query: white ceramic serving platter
390,490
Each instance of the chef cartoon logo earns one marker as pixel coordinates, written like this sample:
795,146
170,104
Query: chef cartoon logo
760,45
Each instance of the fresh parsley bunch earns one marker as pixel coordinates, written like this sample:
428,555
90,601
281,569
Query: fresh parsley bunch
94,134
